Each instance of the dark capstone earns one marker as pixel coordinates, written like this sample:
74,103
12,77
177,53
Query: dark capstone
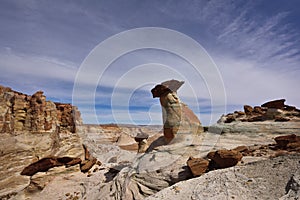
278,104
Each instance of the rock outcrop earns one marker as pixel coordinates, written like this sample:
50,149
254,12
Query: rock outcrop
21,112
270,111
34,130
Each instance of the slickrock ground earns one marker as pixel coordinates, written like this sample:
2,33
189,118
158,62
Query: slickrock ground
276,178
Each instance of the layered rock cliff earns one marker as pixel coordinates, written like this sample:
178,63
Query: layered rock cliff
33,128
22,112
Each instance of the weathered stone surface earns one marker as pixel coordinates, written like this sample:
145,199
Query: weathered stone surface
225,158
141,139
241,149
177,117
292,187
288,141
272,111
281,119
278,104
198,166
21,112
141,136
248,109
173,85
89,161
45,164
30,130
86,165
266,179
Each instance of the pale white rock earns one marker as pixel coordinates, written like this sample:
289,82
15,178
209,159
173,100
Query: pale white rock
265,179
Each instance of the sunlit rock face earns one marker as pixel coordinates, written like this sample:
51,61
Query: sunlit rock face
177,117
33,128
271,111
22,112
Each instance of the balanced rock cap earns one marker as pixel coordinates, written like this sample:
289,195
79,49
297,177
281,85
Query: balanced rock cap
173,85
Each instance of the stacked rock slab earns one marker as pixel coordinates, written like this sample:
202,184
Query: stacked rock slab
21,112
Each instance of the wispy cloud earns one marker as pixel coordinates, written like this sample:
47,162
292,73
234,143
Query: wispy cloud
255,45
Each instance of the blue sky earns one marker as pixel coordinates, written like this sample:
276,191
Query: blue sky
254,44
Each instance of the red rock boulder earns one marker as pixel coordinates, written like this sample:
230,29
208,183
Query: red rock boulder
224,158
288,141
248,109
198,166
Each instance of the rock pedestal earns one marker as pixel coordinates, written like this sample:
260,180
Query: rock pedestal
177,117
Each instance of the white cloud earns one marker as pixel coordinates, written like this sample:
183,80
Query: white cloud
256,53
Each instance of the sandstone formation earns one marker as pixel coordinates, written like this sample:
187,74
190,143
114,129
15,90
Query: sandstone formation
278,104
88,162
270,111
141,138
21,112
164,162
267,162
34,130
288,141
177,117
44,164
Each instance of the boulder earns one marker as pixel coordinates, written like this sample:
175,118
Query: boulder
198,166
239,112
241,149
258,110
288,141
229,118
141,136
281,119
86,165
224,158
89,161
248,109
44,164
278,104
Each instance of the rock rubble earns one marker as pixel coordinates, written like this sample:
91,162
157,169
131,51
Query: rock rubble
275,111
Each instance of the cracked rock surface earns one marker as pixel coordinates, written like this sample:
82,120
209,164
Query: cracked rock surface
267,179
